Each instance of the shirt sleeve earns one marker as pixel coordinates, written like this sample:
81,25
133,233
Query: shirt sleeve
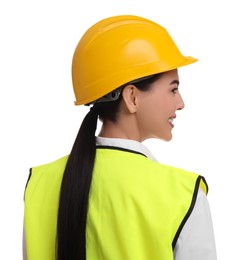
196,240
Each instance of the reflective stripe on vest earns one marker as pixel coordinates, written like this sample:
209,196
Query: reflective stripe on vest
137,207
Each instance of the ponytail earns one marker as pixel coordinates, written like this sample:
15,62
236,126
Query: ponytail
75,187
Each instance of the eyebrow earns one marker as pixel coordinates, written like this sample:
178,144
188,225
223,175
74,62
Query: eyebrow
175,82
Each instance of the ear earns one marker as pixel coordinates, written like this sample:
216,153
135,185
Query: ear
130,97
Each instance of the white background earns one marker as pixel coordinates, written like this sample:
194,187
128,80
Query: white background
39,120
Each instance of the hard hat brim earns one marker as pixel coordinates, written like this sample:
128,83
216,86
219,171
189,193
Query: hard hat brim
150,69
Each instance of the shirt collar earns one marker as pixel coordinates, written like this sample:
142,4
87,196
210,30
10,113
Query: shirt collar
126,144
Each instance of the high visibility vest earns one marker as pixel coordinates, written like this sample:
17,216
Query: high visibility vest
137,207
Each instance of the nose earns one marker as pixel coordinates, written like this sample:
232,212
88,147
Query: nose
180,103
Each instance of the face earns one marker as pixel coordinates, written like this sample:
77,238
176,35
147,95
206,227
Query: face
157,107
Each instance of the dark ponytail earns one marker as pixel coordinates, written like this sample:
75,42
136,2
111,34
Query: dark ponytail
76,182
73,203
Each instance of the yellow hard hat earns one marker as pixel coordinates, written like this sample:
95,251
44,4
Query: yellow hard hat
118,50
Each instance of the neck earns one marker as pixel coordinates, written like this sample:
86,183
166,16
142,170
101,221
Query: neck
124,128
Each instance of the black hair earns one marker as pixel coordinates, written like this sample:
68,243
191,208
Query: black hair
76,182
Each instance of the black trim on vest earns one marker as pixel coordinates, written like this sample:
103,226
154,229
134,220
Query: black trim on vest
118,148
195,193
204,180
29,176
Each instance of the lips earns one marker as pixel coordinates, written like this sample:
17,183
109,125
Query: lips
171,119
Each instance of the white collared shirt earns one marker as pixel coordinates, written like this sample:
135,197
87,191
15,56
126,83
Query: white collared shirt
196,240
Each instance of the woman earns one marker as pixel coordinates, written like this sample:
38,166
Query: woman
110,199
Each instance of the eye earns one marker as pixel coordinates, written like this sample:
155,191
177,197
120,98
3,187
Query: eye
175,90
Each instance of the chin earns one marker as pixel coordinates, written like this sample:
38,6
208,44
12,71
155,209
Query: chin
166,138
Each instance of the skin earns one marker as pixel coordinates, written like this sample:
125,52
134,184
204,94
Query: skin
147,114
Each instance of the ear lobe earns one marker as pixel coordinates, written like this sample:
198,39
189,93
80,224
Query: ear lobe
129,95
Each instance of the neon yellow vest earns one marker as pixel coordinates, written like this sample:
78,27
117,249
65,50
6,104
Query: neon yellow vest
137,207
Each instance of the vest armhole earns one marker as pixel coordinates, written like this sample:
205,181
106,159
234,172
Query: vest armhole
28,179
200,182
203,185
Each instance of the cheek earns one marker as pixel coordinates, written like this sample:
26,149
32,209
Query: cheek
149,107
157,108
151,113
